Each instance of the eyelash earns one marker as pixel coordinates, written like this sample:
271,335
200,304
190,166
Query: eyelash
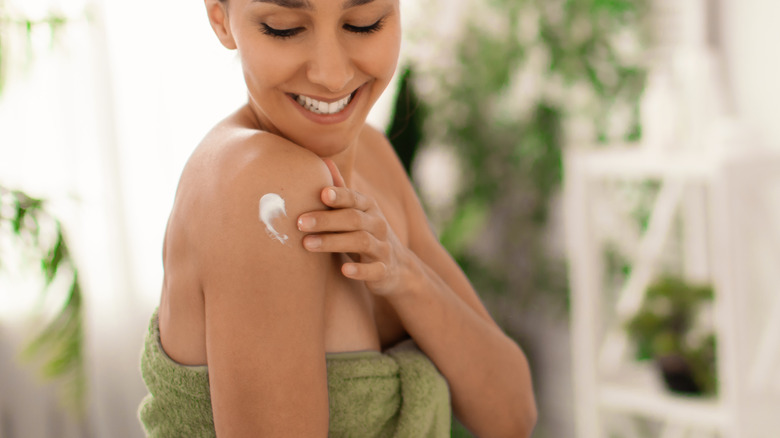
366,29
289,33
279,33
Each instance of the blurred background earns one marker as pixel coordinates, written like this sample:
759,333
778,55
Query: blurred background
607,172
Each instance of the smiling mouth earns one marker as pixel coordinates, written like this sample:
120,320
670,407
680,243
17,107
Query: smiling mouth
320,107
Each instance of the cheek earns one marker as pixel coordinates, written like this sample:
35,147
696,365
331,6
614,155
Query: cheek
387,54
266,66
379,58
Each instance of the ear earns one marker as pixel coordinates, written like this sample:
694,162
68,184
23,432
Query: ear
218,17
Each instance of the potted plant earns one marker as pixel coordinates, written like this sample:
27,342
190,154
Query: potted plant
666,329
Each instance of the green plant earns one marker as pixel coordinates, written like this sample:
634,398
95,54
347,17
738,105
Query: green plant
12,23
665,329
34,232
59,344
523,78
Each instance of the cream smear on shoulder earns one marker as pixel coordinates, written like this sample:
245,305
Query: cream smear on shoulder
271,207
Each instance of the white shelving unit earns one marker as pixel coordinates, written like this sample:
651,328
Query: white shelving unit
719,211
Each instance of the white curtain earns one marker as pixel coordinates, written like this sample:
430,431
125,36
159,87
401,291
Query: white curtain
750,36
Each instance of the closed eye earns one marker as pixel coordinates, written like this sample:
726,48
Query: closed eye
280,33
365,29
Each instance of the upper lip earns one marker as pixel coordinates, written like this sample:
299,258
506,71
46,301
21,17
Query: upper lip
326,99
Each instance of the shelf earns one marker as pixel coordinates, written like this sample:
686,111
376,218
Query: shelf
705,413
633,162
713,197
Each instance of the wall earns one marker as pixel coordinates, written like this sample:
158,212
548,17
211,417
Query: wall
750,38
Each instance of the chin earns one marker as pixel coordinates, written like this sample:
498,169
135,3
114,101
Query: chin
327,140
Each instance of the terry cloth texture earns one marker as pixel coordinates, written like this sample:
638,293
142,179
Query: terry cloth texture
398,394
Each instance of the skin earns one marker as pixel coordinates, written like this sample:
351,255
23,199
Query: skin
361,269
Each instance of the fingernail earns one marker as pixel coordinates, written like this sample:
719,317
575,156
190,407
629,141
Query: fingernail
350,270
306,223
312,242
331,195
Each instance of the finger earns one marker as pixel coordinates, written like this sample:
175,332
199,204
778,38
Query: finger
338,180
341,197
343,219
360,242
375,271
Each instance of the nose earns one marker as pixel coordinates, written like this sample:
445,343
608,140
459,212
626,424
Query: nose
330,64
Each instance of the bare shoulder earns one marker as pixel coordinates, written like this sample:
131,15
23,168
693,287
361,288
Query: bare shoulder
263,292
383,161
379,160
219,195
236,168
382,152
252,187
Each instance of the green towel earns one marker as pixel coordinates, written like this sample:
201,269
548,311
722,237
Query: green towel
398,393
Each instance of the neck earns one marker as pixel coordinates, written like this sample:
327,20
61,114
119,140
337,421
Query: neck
345,161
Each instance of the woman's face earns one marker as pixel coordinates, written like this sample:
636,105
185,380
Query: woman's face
313,68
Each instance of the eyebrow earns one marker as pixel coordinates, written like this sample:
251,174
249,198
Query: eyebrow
353,3
290,4
304,4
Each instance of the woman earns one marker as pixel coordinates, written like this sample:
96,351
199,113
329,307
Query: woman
298,260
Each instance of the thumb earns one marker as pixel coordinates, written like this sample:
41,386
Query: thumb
338,180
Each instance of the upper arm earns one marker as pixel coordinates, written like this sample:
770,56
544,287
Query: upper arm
422,240
264,299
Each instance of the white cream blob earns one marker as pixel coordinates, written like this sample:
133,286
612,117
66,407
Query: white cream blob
271,207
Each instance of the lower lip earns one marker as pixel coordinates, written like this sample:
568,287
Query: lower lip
329,119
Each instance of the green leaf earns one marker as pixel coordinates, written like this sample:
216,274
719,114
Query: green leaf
614,7
463,228
60,345
16,222
51,262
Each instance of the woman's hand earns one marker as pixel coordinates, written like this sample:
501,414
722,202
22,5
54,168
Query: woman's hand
356,226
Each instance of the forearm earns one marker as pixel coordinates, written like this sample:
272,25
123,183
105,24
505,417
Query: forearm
487,372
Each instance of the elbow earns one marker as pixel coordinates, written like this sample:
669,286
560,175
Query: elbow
526,414
527,422
529,413
518,421
524,422
520,424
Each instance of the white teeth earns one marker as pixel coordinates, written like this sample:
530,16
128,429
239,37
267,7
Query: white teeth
319,107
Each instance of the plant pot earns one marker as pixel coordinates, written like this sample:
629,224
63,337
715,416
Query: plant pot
677,374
